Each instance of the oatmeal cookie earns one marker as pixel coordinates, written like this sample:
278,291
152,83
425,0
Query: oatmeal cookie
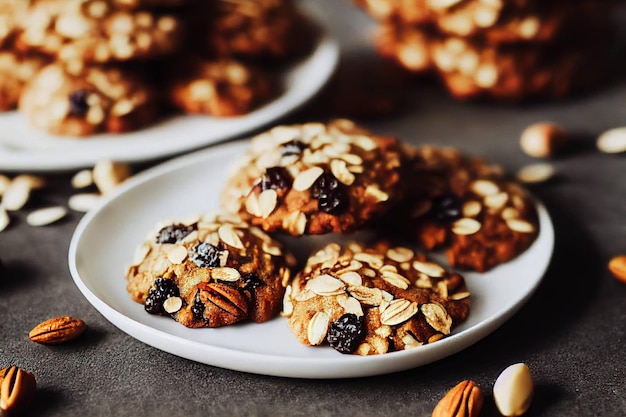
97,99
84,31
496,21
210,271
314,178
374,300
467,206
251,29
518,72
15,71
219,87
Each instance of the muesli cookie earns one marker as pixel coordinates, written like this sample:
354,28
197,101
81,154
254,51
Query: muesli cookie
15,71
373,300
468,207
495,21
315,178
517,72
84,31
251,29
210,271
219,87
97,99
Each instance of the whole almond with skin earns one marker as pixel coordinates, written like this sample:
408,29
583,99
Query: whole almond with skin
57,330
464,400
17,389
617,266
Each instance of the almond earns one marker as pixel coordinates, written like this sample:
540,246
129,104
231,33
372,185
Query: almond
617,266
513,390
464,400
17,389
57,330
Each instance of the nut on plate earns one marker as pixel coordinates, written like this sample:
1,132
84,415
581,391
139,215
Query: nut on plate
617,266
17,389
464,400
513,390
543,140
57,330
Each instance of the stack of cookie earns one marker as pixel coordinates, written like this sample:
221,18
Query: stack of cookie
503,50
79,67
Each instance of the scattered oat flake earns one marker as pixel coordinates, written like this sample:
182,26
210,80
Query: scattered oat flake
535,173
82,179
612,141
45,216
4,219
16,195
107,175
4,183
83,202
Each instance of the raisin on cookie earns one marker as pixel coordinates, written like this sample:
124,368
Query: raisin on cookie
468,207
373,300
315,178
210,271
95,100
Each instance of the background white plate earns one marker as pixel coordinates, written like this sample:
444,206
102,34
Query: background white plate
105,240
25,148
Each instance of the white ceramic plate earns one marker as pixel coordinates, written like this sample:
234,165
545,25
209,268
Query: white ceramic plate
25,148
105,240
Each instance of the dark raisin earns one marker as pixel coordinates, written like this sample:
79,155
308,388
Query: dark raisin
346,333
161,290
331,194
197,309
252,281
174,233
293,147
446,208
78,102
206,255
276,178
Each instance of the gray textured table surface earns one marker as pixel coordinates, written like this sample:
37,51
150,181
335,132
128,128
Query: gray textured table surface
571,333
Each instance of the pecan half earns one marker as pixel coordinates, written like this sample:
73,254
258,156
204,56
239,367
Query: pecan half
57,330
17,389
464,400
224,304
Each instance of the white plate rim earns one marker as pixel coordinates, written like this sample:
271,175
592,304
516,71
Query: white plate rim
341,366
48,153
